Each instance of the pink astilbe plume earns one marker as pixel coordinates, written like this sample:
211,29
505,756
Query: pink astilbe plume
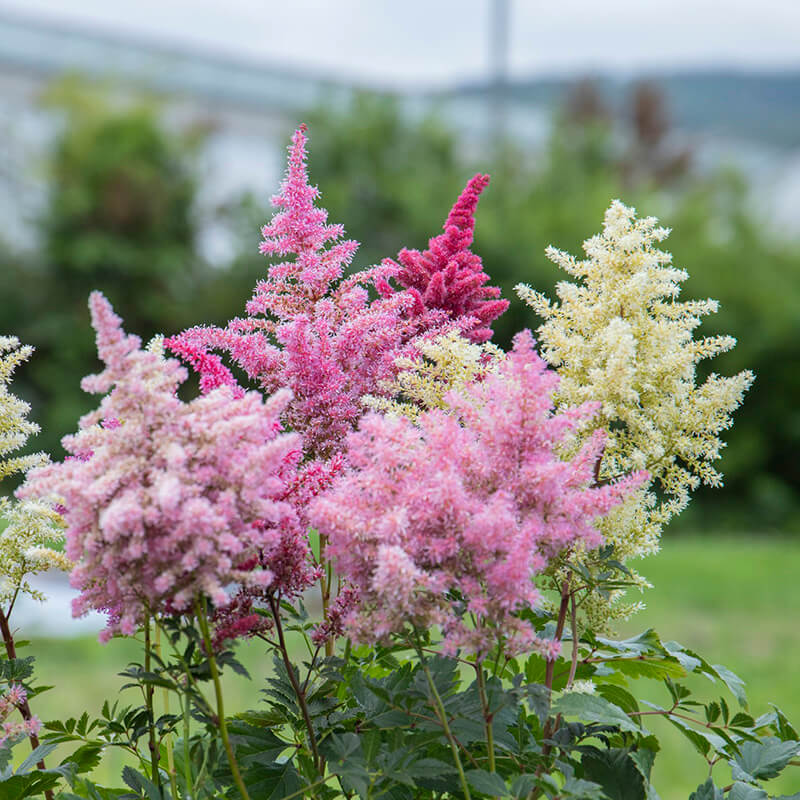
166,500
449,276
308,328
472,503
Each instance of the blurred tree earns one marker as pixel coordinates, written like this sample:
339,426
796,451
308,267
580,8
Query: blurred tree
119,218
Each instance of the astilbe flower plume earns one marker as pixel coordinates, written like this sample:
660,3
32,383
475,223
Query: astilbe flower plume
449,276
166,500
29,527
308,327
448,521
621,337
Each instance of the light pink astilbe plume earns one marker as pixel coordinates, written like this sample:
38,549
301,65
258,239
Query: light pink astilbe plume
449,276
474,503
308,327
166,500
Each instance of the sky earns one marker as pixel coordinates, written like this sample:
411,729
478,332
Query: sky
440,42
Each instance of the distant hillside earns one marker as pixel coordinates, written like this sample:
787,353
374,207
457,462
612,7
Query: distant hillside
762,107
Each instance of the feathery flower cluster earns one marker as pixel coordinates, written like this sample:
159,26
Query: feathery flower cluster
449,276
447,521
15,427
445,363
620,336
307,327
26,527
165,500
9,702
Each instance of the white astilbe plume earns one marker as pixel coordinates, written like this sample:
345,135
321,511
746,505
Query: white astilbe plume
27,528
445,363
619,335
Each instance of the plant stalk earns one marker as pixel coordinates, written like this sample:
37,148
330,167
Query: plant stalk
487,717
173,783
223,726
149,690
442,714
298,690
24,707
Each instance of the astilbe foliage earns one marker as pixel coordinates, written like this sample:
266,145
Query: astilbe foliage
449,276
166,500
29,526
448,520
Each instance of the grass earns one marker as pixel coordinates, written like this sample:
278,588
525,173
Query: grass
733,599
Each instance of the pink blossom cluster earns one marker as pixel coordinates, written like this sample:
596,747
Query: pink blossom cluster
446,523
10,730
449,276
166,500
332,339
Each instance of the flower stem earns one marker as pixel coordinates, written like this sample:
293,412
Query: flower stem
187,764
325,587
487,717
223,727
173,783
149,689
442,714
24,708
298,690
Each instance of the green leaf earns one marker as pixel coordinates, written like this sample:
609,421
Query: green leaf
733,682
618,696
254,744
593,708
487,783
764,759
616,773
523,785
539,698
41,752
744,791
85,758
140,783
272,781
345,758
702,740
707,791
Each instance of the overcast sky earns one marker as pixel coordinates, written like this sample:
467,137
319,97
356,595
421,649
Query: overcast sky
441,41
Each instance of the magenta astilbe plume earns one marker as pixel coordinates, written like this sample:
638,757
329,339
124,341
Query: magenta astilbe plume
166,501
449,276
474,503
307,327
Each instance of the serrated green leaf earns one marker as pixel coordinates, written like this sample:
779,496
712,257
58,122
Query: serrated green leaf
616,773
593,708
745,791
523,785
487,783
707,791
733,682
764,759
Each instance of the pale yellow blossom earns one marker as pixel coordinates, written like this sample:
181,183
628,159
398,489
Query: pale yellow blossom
619,335
27,528
446,363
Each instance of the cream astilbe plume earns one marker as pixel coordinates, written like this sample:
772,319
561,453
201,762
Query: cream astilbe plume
444,363
26,527
619,335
